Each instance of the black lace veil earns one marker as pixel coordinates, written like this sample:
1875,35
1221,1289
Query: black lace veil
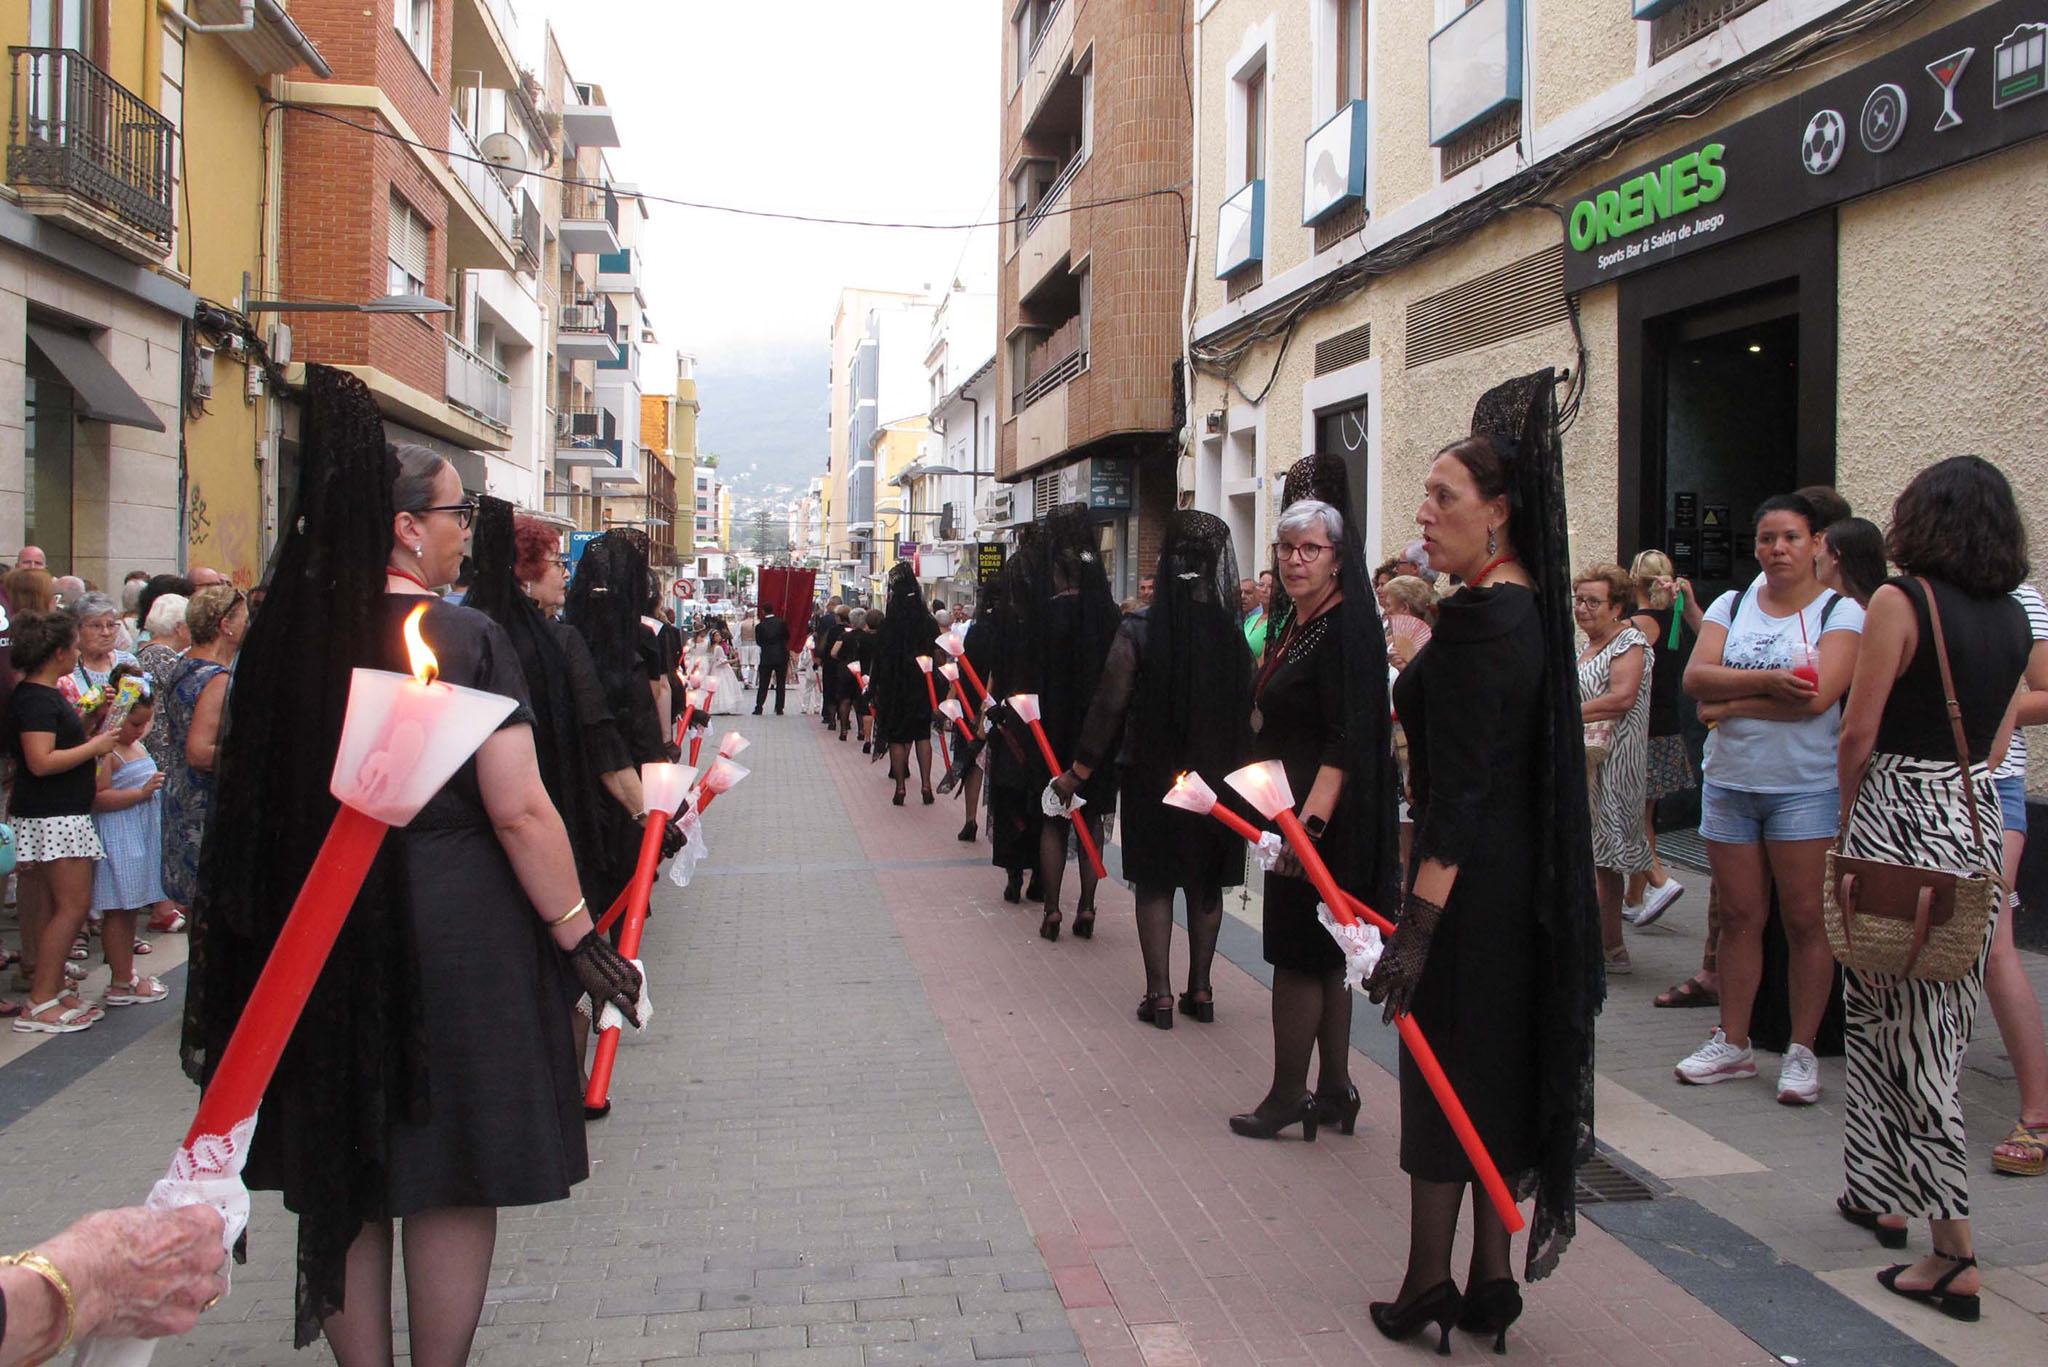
611,590
1520,418
1195,676
896,689
352,1068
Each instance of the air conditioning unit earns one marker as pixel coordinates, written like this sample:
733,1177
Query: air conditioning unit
280,343
995,504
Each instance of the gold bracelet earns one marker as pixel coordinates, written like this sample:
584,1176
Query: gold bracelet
37,1263
582,905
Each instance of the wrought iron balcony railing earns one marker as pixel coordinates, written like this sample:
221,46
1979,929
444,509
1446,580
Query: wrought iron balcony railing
74,128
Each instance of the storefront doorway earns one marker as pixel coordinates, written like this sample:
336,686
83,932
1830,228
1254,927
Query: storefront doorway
50,423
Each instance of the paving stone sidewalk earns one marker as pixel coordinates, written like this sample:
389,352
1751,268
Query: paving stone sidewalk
794,1171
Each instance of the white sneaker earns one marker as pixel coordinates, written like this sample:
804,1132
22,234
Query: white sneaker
1657,900
1632,912
1798,1077
1716,1061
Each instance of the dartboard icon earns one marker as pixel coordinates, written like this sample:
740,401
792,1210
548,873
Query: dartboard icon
1884,119
1820,150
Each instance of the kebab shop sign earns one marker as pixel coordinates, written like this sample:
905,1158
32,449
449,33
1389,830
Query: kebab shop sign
1652,212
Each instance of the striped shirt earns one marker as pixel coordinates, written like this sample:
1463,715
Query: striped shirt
2015,765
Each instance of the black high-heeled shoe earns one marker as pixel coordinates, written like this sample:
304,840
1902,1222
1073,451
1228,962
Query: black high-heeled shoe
1341,1111
1031,890
1490,1307
1154,1011
927,797
897,801
967,833
1049,928
1438,1305
1954,1304
1252,1125
1084,923
1203,1012
1887,1236
1013,887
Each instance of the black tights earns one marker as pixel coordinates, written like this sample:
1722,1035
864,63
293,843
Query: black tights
1311,1017
1433,1227
899,762
1155,936
1052,863
447,1270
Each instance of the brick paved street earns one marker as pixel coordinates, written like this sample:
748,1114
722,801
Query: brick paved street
878,1120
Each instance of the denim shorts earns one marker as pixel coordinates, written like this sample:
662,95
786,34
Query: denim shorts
1731,816
2012,802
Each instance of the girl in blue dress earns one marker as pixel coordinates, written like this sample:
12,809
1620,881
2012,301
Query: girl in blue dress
127,812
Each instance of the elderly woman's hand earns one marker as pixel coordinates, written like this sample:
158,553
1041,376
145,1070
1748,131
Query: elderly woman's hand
139,1273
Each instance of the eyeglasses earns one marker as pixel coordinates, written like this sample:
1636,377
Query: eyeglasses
1580,600
1307,553
465,511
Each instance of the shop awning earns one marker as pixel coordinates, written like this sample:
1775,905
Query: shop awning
101,392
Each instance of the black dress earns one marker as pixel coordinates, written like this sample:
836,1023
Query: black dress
1472,705
1067,682
502,1123
1301,723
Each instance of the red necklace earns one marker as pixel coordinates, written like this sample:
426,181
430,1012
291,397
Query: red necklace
397,573
1508,558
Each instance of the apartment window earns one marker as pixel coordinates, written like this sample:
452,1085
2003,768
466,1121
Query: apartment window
1031,20
1347,50
1254,83
1682,24
415,21
406,251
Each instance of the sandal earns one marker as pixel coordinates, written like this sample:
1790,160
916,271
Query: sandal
93,1009
2033,1140
79,949
8,957
168,925
70,1020
9,1009
1889,1236
1691,992
144,947
141,991
1956,1305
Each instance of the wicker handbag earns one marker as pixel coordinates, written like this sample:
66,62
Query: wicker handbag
1900,919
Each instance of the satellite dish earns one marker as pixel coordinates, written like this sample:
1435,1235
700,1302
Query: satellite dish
507,156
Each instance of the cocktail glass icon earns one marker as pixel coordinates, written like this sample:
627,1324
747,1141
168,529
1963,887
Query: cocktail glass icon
1948,73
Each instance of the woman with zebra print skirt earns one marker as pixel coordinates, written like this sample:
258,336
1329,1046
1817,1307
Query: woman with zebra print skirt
1957,534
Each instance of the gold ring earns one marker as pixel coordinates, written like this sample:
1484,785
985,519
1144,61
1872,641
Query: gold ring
210,1304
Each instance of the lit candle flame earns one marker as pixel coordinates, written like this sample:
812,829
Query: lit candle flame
951,671
924,662
952,711
733,743
1265,786
1191,793
425,667
951,642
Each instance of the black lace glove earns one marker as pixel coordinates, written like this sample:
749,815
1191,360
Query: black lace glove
673,839
1400,966
609,978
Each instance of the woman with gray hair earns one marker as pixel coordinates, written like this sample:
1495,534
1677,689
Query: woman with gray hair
99,628
192,705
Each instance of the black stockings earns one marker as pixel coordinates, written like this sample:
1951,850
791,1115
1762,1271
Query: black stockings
1155,937
1311,1016
899,762
1052,863
1433,1227
447,1270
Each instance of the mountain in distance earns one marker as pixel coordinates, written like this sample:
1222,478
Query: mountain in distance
765,409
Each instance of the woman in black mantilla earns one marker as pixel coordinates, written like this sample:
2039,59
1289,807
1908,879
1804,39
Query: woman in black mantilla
607,599
999,647
1172,700
896,686
1498,950
1319,706
1074,617
430,1080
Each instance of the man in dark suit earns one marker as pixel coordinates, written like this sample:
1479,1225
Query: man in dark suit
772,636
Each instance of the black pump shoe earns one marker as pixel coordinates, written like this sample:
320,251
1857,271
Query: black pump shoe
1084,923
1252,1125
1341,1111
1155,1011
1887,1236
1031,892
1203,1012
1490,1307
1013,887
1049,927
967,833
1954,1304
1439,1306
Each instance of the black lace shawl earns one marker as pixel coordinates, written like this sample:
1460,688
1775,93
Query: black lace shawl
1520,417
999,646
1073,619
610,592
354,1067
1374,782
574,742
896,687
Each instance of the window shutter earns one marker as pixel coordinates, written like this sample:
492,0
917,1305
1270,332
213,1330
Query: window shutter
408,240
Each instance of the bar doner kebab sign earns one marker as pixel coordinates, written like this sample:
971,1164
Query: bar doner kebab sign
1979,85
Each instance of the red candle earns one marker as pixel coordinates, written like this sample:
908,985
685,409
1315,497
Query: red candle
924,663
664,786
1025,705
956,645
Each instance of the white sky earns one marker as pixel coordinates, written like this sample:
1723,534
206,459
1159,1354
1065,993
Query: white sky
868,109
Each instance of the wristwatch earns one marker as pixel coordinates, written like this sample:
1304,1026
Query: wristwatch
1315,826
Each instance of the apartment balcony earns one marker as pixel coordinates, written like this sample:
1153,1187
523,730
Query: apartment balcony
588,330
478,387
1333,164
623,369
590,219
588,123
587,435
485,34
619,272
530,237
485,189
1051,361
87,151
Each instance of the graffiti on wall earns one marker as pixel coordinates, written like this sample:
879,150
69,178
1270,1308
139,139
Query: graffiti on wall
223,540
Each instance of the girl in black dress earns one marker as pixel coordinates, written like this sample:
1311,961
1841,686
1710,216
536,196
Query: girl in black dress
431,1079
1497,954
1073,621
903,709
1000,647
1172,700
1319,706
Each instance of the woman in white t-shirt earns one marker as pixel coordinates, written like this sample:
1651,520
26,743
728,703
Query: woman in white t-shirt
1771,664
